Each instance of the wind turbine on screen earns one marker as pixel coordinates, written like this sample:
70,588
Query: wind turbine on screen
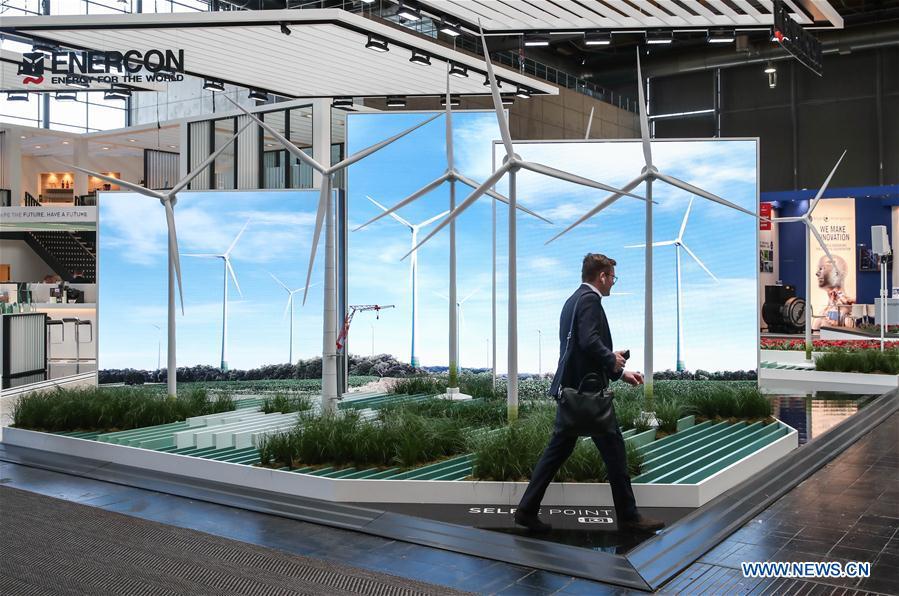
512,163
679,244
228,270
169,199
413,269
325,217
451,175
649,174
806,218
288,308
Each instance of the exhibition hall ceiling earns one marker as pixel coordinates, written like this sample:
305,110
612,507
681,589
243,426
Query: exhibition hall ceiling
324,55
568,15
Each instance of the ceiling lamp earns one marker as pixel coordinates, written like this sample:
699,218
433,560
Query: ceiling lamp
598,38
213,85
420,58
258,94
721,36
17,96
377,44
44,49
117,93
342,102
396,102
659,37
66,96
770,68
455,101
507,98
523,93
410,13
536,40
285,29
81,84
458,70
499,84
452,29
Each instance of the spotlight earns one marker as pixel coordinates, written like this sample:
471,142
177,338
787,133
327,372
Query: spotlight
659,37
420,58
457,70
213,85
454,101
66,96
396,102
452,29
772,79
523,93
342,102
17,96
536,40
81,84
507,98
597,38
44,49
117,93
258,94
285,29
377,44
770,68
499,84
721,36
407,12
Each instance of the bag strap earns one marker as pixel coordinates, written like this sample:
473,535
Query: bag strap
560,370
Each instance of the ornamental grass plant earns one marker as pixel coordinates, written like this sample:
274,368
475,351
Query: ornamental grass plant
112,409
286,403
868,362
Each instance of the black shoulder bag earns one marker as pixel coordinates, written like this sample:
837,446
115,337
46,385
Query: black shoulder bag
587,410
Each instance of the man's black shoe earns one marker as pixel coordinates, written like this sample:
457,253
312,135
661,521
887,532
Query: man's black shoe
641,524
532,522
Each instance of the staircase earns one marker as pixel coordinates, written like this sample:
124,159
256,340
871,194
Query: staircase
66,253
30,201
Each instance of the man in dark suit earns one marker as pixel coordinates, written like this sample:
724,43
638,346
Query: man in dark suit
590,353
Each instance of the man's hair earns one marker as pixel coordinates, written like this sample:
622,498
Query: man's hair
594,264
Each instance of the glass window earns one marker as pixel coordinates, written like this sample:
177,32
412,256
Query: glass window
67,7
22,112
101,117
18,8
68,115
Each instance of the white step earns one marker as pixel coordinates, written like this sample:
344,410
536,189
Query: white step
188,438
221,417
228,437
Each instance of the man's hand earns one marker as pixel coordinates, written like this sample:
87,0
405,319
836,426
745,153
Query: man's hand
619,361
632,378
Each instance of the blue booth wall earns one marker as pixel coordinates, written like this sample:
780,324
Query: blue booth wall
872,208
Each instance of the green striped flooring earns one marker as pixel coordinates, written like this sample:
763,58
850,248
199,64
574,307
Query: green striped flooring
694,453
782,366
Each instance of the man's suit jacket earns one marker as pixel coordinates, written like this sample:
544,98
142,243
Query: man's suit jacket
591,342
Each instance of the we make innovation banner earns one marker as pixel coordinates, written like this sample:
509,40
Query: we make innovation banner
835,221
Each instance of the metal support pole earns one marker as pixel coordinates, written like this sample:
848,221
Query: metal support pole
808,296
647,305
453,318
224,363
513,301
172,367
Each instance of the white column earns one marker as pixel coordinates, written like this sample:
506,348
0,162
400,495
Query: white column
12,166
513,301
79,158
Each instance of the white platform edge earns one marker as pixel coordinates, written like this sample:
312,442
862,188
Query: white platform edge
401,491
787,356
820,377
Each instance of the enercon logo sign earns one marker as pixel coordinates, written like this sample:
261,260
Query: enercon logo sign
105,67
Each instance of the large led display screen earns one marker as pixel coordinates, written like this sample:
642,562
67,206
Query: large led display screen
134,288
719,316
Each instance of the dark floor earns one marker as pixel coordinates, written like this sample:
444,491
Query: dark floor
847,511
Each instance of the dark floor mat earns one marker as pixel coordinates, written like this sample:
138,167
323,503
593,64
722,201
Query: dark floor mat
50,546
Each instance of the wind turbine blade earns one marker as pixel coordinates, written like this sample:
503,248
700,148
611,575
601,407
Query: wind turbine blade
817,235
415,195
468,202
390,213
449,124
660,243
605,203
319,220
473,292
129,185
290,147
173,247
589,123
497,100
280,283
701,193
444,296
787,219
468,181
683,225
644,119
201,255
428,222
824,186
634,246
239,234
205,163
701,264
233,276
287,308
568,177
378,146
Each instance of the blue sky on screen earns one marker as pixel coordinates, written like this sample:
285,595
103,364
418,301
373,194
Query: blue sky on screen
720,319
